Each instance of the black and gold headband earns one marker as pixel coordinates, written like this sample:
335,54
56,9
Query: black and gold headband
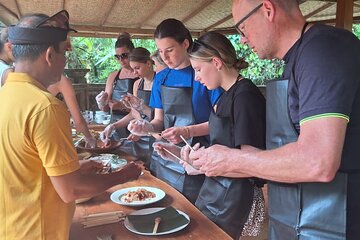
52,29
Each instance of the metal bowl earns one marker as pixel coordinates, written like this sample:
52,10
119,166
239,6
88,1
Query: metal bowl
100,147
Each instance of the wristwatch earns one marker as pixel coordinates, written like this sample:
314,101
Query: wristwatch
143,116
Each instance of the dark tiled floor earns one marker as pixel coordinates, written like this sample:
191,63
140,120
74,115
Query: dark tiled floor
264,230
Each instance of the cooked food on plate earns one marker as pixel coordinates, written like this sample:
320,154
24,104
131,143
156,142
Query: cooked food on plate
140,194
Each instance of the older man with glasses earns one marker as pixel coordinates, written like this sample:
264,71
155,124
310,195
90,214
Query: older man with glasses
313,124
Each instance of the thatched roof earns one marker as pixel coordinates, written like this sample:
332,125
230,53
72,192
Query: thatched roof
106,18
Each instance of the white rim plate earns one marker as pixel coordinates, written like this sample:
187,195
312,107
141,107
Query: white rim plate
149,211
115,196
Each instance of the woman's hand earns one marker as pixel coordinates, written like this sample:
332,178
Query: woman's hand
130,101
159,148
90,142
107,133
140,127
115,105
133,137
173,134
101,99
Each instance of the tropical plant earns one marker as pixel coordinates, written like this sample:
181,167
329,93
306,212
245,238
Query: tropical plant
97,55
259,71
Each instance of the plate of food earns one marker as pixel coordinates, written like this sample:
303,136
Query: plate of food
111,162
169,220
137,196
100,146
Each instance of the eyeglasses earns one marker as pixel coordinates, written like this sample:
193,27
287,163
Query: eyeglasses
244,18
197,44
121,56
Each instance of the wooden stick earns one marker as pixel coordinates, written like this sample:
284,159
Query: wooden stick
188,144
102,223
100,220
78,141
179,159
105,214
157,222
172,154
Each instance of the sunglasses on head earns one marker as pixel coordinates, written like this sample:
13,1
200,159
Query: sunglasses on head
197,44
121,56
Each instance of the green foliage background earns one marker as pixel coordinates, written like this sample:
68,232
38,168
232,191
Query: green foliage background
97,55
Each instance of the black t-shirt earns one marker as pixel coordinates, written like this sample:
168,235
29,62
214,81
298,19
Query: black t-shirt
245,105
325,81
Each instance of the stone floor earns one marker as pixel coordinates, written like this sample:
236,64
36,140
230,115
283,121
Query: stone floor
264,229
263,234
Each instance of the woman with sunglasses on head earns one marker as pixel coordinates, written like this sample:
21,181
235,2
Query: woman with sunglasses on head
118,83
182,105
238,122
142,65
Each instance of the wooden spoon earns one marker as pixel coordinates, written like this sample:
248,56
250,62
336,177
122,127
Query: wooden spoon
157,222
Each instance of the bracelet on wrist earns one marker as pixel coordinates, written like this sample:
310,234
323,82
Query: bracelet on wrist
187,129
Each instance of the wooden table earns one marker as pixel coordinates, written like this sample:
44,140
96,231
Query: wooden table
200,226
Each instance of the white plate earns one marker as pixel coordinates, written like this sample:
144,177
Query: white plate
149,211
116,196
115,161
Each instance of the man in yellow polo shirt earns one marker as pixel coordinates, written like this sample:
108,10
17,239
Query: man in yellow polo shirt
39,172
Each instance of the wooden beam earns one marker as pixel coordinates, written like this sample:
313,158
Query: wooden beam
217,23
197,10
115,30
344,14
157,8
110,6
9,17
18,8
332,21
108,35
63,4
320,9
83,28
357,5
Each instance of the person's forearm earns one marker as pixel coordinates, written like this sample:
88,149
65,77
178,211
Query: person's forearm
147,111
290,163
83,128
124,121
201,129
158,125
104,108
88,185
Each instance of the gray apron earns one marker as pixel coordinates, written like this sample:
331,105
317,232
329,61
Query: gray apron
121,87
177,107
303,210
225,201
141,149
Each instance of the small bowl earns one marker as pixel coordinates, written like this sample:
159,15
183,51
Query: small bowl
106,122
100,148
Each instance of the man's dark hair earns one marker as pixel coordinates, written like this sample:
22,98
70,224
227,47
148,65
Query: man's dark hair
31,51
